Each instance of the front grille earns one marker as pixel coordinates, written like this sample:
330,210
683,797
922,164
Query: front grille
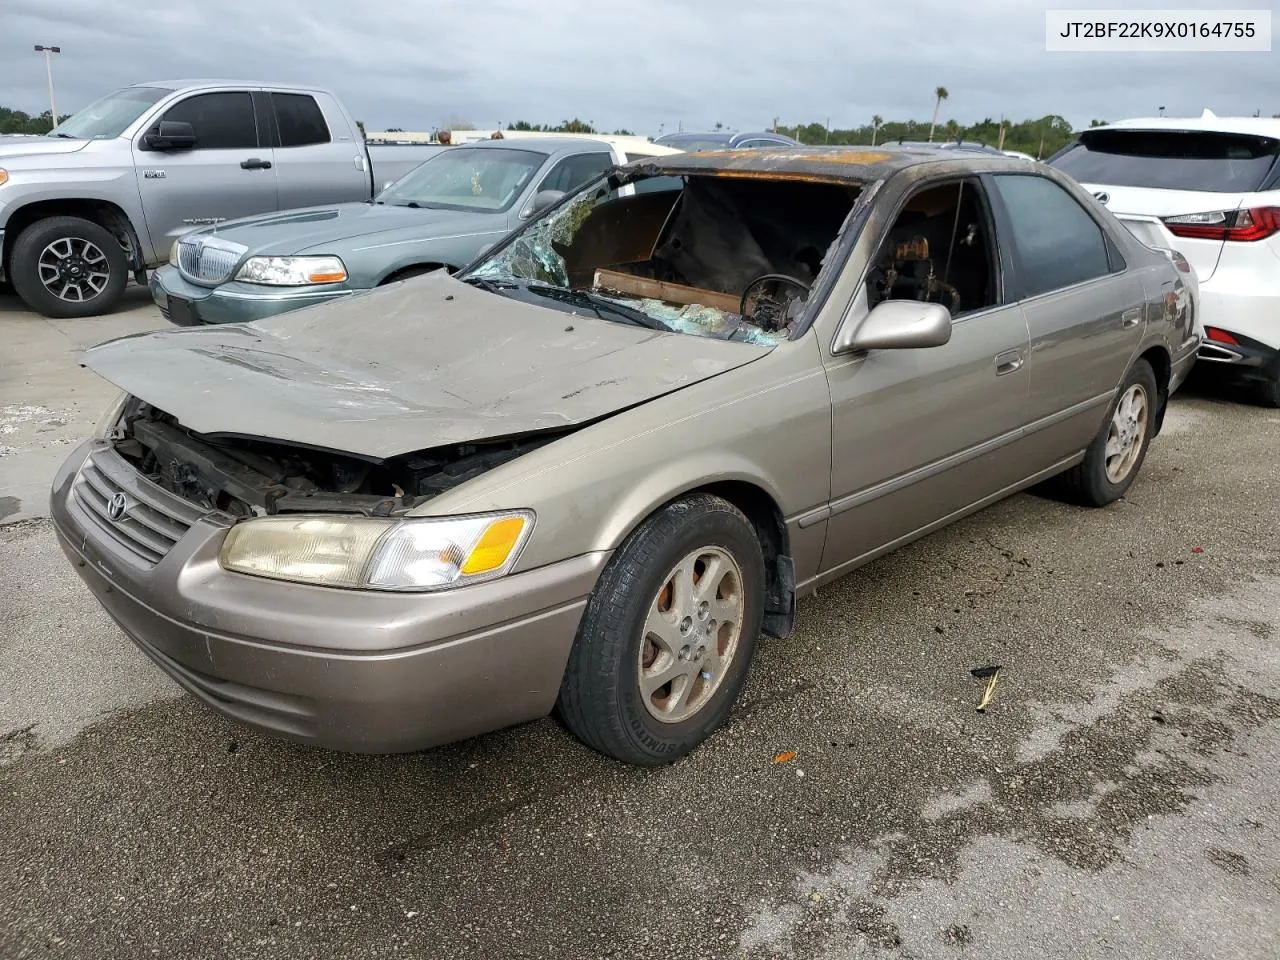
208,259
151,520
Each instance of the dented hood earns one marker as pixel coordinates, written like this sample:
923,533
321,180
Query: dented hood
408,367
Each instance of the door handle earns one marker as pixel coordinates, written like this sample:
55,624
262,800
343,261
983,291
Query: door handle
1008,362
253,163
1130,318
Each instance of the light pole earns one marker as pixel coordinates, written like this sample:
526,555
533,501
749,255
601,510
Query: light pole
48,69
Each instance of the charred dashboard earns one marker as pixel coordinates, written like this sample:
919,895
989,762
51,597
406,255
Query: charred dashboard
246,476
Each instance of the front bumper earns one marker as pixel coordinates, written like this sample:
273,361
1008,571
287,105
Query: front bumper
186,304
353,670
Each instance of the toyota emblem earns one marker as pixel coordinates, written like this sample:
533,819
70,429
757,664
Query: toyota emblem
1102,197
115,506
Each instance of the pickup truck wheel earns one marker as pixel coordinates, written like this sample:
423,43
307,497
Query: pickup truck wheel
1116,454
68,267
667,636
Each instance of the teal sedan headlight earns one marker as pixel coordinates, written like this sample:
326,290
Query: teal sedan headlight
292,271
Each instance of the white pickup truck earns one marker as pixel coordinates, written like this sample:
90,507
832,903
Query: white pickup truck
106,193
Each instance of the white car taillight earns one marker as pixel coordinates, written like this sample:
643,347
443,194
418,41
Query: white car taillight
1256,223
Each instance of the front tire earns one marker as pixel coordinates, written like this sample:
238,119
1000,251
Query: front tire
1116,454
667,637
68,267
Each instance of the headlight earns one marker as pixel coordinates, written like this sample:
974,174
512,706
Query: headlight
173,254
292,271
425,553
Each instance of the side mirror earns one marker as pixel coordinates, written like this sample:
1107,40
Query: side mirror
896,325
541,200
172,135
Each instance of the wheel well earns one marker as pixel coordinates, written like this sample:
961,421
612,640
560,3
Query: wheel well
760,508
107,215
1162,366
413,270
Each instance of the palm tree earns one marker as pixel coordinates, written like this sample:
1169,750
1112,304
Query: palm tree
939,95
876,121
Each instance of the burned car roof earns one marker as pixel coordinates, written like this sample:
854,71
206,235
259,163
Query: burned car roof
851,165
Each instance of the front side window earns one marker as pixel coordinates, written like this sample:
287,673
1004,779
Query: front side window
1058,244
939,249
221,121
300,120
488,179
109,117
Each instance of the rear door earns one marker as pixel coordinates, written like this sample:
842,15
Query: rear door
318,160
1085,309
1168,186
228,173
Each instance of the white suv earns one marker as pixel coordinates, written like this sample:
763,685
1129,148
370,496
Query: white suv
1209,187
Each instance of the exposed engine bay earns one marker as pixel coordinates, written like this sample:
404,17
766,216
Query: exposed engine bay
247,477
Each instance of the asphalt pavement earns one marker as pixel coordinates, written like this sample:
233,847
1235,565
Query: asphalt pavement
1118,798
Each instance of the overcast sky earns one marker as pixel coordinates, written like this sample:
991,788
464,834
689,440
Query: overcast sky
635,65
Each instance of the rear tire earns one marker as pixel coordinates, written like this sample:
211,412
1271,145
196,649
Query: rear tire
683,598
68,267
1117,452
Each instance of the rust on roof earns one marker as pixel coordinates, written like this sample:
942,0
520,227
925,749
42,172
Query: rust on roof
815,164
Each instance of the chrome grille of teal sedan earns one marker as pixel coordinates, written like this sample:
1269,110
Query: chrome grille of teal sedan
207,259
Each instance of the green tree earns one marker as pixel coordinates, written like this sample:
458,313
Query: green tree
939,94
877,122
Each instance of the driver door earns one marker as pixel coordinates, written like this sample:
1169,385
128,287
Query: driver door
227,174
919,435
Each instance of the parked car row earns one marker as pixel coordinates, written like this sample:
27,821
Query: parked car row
587,470
438,216
106,194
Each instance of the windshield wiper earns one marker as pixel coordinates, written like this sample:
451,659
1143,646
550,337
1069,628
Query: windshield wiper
64,136
493,286
414,204
599,305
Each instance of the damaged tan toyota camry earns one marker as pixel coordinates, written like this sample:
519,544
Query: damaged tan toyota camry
589,471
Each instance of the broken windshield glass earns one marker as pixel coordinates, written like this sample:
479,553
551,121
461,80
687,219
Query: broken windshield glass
703,256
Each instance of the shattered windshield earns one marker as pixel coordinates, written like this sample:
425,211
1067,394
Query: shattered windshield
707,256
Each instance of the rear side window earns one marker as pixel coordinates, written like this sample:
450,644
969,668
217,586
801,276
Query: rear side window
221,121
572,172
1057,243
1171,159
300,120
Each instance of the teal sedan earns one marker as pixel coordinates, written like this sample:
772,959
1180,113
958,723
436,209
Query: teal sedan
440,215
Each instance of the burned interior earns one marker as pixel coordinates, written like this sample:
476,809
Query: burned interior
710,255
246,477
938,249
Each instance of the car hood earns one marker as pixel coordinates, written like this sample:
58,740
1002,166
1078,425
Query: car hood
297,231
37,146
408,367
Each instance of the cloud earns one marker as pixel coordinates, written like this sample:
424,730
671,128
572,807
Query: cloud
664,62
